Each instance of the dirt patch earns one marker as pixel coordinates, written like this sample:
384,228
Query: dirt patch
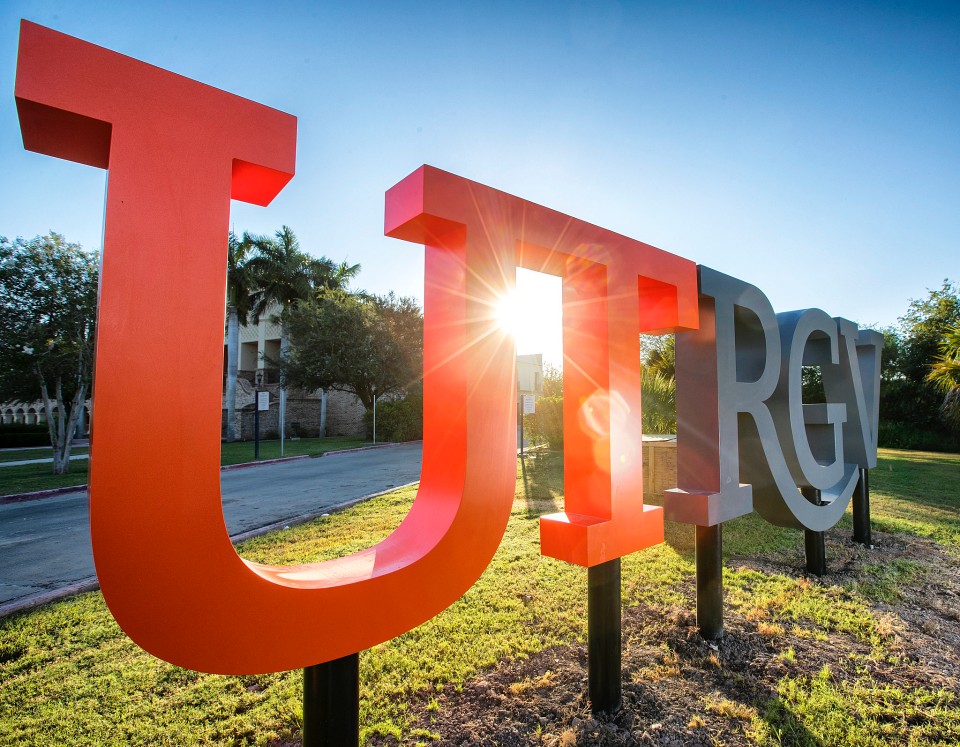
667,668
924,618
680,690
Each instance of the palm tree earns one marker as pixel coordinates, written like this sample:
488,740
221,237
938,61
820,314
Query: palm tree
659,392
327,275
283,276
660,354
659,384
283,273
945,373
238,307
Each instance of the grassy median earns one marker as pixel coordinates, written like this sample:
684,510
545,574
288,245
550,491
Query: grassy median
849,660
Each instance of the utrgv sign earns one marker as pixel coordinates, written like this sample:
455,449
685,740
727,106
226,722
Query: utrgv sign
177,152
745,439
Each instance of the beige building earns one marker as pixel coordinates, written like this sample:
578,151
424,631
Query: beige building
529,382
33,413
23,413
530,374
308,414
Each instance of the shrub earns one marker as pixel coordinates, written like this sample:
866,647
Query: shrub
896,434
659,414
397,420
546,424
14,435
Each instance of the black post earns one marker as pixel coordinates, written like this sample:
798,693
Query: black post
861,509
813,542
331,703
709,557
256,425
520,422
603,636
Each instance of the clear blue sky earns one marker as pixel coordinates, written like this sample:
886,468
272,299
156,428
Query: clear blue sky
812,149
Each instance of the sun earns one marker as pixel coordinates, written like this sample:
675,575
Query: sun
531,315
509,313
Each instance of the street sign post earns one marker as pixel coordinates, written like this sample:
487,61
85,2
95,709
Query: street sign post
263,403
529,407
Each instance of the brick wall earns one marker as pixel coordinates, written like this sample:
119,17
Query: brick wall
344,414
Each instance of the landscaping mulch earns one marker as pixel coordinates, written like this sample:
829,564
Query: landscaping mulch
681,690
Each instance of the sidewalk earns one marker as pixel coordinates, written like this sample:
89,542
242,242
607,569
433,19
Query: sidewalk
39,461
81,443
77,442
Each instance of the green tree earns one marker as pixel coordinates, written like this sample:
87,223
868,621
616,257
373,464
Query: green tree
924,327
659,354
658,383
285,276
239,287
552,381
659,392
911,412
48,307
945,375
545,424
364,344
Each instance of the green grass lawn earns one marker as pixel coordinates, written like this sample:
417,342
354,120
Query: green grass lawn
916,492
29,477
70,676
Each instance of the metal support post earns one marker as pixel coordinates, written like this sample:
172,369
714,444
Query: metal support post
520,422
603,636
813,542
256,425
861,509
709,558
282,414
331,703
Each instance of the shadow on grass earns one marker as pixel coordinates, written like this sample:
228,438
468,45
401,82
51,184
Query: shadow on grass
785,727
541,475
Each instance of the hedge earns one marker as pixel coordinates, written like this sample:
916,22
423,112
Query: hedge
14,435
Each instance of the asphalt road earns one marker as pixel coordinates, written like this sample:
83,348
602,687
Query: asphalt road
45,544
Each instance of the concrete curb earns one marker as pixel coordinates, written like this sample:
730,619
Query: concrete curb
37,495
278,460
25,604
391,445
